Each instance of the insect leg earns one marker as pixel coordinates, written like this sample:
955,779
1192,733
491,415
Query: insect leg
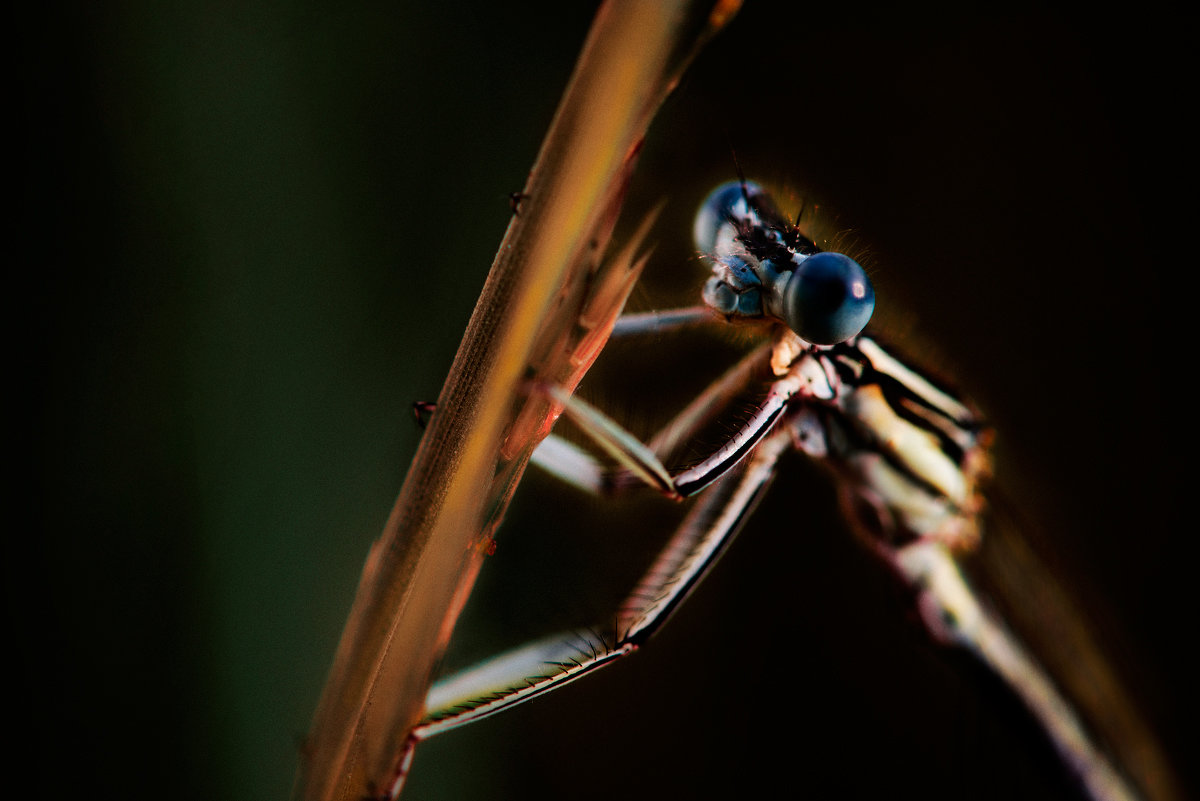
573,465
544,665
805,379
658,322
709,527
618,443
715,398
570,464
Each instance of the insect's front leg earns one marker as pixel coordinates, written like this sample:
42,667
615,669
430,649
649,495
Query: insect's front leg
660,322
806,378
573,465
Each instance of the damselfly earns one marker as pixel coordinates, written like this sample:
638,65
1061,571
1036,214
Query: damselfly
909,454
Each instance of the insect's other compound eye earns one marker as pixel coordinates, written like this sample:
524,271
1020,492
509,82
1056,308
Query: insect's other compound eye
723,204
828,299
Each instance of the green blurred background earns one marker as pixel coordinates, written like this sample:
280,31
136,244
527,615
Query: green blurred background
251,234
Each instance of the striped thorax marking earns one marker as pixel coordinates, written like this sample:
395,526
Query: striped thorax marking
911,449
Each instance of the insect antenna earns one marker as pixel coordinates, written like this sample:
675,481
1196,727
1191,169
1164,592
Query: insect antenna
737,167
800,213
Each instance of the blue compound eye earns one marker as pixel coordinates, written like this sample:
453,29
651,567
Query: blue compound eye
828,299
725,201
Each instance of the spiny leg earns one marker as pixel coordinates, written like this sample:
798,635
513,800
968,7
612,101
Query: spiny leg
806,378
697,544
577,467
537,668
706,406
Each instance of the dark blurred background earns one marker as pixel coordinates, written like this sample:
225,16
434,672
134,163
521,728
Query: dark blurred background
250,235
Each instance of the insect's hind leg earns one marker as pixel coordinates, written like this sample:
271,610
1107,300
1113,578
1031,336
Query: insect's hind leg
501,682
514,677
532,670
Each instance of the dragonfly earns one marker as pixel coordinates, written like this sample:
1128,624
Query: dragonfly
911,457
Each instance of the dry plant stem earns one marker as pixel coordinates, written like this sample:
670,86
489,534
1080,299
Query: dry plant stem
420,572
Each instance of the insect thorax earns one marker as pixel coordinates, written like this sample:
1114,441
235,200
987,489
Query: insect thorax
914,455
